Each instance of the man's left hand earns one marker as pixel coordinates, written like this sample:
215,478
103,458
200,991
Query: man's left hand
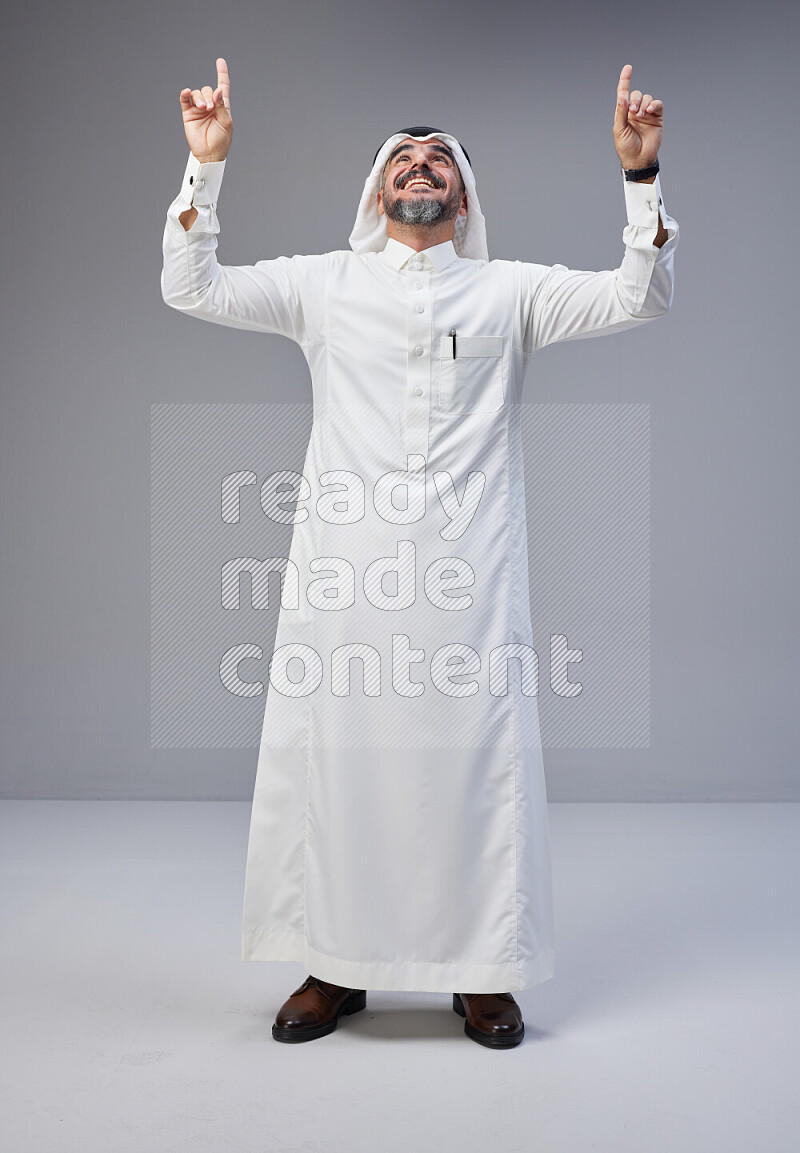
638,124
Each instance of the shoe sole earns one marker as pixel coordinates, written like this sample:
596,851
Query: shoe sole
293,1033
499,1041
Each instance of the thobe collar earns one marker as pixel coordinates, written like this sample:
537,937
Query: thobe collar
437,257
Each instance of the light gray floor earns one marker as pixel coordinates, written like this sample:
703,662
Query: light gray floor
129,1022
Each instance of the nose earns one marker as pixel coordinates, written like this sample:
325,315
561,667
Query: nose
419,163
416,163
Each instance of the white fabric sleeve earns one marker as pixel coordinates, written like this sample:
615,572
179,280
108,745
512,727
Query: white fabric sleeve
262,297
564,304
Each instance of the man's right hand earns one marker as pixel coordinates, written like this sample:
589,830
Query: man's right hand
207,118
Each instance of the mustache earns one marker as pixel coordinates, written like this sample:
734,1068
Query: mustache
416,174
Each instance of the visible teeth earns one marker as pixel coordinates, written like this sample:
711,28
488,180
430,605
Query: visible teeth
424,183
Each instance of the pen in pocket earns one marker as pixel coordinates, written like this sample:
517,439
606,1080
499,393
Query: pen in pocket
453,336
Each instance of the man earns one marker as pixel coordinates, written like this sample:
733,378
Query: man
399,834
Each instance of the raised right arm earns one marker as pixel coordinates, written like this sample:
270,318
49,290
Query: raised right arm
262,297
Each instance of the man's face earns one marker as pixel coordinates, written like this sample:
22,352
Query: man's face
422,184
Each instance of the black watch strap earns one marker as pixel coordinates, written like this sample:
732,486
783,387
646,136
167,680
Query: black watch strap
640,173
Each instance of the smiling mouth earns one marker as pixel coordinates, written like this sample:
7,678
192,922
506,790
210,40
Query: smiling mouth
420,183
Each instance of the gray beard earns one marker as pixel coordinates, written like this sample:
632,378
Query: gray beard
424,210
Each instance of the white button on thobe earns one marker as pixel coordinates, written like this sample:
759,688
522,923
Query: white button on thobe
399,833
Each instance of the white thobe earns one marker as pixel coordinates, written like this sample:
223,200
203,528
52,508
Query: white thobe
399,833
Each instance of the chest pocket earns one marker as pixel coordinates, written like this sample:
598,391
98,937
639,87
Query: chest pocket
473,381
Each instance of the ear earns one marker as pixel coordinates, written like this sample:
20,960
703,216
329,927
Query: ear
380,202
463,209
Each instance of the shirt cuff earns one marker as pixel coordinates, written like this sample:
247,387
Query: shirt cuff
201,182
642,202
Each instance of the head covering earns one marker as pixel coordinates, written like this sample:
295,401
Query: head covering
369,231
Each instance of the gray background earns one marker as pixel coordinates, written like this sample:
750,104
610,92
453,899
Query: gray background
94,153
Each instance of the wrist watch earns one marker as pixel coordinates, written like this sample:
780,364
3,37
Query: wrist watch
640,173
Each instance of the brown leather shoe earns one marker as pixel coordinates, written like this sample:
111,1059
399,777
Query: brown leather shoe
313,1010
493,1019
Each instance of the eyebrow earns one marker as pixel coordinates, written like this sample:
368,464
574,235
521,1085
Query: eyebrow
436,148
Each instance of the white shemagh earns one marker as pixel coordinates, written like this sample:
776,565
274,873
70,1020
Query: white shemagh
369,231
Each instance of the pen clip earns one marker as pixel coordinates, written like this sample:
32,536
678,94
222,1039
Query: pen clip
453,336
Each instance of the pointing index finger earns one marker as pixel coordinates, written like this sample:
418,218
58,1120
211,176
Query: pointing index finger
624,85
223,79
